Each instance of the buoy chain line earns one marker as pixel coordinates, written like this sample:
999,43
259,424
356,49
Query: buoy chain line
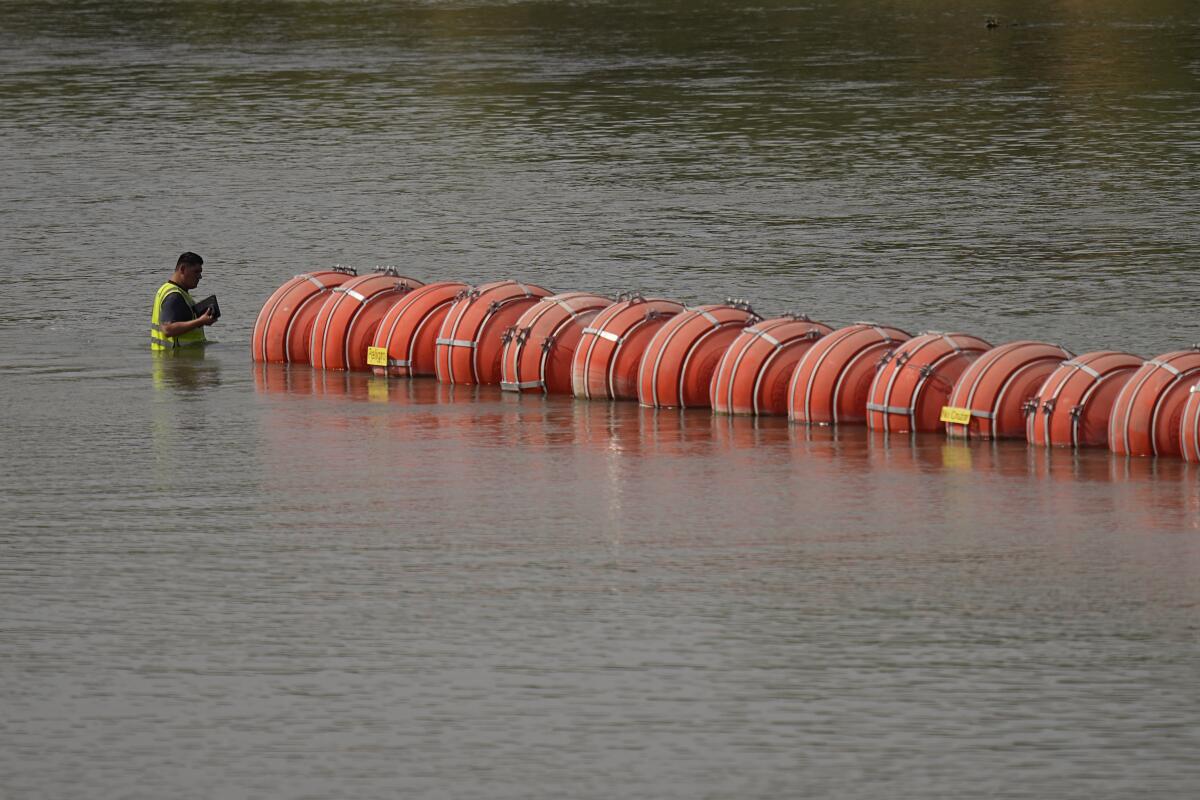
999,380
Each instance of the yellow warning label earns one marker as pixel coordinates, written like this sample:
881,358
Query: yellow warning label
959,416
377,356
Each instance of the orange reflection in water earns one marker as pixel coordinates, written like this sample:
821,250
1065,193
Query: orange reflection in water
320,427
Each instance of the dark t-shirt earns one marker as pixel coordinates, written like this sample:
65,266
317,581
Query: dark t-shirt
175,309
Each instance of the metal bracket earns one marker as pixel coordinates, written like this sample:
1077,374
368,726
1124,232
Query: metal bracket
345,270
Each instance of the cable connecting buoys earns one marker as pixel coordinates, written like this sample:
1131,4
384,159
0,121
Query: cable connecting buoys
469,342
284,324
833,378
1072,406
1145,418
988,400
539,347
610,349
345,324
1189,426
679,362
408,331
755,371
915,380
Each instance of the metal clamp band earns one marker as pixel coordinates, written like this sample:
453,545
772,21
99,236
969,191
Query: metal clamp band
510,386
889,409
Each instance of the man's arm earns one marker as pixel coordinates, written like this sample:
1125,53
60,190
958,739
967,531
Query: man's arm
180,328
176,317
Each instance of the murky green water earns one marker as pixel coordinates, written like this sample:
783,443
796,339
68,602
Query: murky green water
221,580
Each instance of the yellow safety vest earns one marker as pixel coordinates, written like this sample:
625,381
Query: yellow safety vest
158,340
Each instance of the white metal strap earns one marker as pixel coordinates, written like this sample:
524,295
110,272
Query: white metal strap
399,362
313,281
510,386
359,296
1081,367
888,409
1164,365
455,342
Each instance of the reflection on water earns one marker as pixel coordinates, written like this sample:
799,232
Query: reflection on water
185,370
412,421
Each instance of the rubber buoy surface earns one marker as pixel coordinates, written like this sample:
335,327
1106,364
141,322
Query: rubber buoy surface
409,329
540,346
990,398
753,375
1072,406
833,378
605,365
1147,416
345,324
469,343
284,324
1189,426
679,362
915,381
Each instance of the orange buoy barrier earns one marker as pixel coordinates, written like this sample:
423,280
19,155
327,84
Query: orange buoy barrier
755,371
1072,406
408,331
540,346
833,378
1146,417
679,362
1189,426
284,324
915,381
988,400
605,365
469,343
345,324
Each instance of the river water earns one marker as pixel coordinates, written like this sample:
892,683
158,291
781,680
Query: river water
219,580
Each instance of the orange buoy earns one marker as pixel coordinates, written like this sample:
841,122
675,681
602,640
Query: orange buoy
409,329
1071,408
610,349
1146,417
469,343
915,380
755,371
1189,426
284,324
679,362
988,399
346,322
833,378
539,347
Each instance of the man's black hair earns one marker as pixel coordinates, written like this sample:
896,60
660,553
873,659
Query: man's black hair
189,259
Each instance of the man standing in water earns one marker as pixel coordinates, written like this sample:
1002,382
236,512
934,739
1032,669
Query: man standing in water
173,320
